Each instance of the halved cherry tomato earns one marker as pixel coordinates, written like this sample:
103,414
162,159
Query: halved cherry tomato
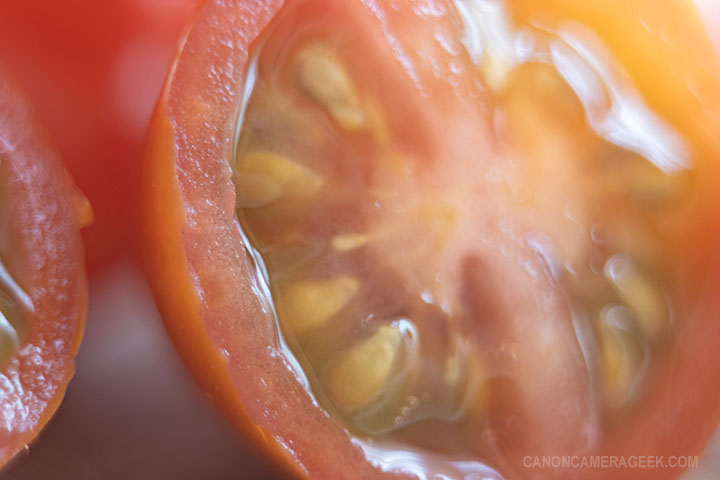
94,70
441,238
43,288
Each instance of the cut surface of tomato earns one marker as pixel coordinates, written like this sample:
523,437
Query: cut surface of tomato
43,289
440,238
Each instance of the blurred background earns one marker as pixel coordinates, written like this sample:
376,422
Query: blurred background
131,412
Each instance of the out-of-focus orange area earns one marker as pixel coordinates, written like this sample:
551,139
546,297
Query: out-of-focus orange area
670,39
93,70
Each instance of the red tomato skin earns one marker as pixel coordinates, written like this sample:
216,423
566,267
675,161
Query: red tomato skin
94,70
45,213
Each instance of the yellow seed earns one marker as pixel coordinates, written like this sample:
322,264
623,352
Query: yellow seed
347,242
322,77
639,292
255,191
621,355
390,165
459,385
453,372
361,374
377,123
262,178
311,304
496,71
442,217
476,387
439,221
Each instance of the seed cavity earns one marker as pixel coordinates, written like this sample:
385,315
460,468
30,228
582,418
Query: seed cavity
262,178
623,233
289,258
323,78
636,178
496,72
639,292
254,191
311,304
377,122
622,355
372,373
348,242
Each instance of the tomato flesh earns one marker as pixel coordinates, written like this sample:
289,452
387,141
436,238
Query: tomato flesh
466,255
43,289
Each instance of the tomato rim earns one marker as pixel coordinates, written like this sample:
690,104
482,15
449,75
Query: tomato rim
46,216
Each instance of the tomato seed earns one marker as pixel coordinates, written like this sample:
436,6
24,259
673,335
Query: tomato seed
362,374
639,292
622,355
322,77
311,304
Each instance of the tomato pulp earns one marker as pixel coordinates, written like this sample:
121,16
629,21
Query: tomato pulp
43,288
438,238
